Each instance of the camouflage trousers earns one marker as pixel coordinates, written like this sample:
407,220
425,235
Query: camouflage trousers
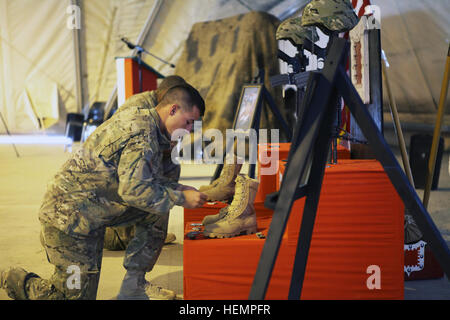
77,261
118,238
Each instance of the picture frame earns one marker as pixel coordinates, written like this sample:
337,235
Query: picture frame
359,61
247,107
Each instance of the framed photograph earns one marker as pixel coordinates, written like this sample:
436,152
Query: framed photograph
359,61
248,103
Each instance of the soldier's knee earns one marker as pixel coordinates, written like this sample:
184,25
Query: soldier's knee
83,287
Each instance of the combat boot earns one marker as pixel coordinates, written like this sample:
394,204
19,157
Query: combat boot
135,287
215,217
241,217
158,293
223,187
14,281
3,274
170,237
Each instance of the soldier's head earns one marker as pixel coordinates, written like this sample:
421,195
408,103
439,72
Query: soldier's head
180,107
166,84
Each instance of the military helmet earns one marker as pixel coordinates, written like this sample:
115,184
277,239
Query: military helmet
292,30
330,15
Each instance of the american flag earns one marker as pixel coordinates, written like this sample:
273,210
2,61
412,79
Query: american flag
359,6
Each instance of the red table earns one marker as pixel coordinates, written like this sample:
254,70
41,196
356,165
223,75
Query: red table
357,239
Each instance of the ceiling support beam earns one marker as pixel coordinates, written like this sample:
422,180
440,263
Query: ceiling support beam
79,48
140,40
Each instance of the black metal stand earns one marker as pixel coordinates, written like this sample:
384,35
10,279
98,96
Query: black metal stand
299,78
309,149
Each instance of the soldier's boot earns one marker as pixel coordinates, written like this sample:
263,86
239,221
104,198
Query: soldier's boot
241,216
170,238
158,293
223,187
135,287
215,217
14,282
3,274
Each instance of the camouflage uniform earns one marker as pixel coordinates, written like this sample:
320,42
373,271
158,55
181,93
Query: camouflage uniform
118,238
122,175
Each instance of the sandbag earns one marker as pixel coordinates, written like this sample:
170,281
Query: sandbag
221,56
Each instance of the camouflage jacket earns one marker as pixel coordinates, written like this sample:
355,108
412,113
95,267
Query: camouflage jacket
124,163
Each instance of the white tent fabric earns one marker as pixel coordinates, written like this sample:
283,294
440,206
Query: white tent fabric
37,48
415,38
34,49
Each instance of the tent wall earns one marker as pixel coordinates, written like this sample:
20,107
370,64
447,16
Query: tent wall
36,47
415,37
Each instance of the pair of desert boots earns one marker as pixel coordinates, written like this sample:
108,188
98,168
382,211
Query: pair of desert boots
239,217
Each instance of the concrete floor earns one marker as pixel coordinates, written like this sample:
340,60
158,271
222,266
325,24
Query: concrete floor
22,185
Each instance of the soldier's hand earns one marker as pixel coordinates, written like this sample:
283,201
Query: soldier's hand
194,199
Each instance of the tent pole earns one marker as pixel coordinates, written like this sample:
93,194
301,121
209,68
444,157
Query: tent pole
9,134
437,132
141,38
105,51
80,59
397,125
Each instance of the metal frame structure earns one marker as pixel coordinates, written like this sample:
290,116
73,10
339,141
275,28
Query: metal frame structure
79,51
306,166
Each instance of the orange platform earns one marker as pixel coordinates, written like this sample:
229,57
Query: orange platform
271,182
359,224
268,182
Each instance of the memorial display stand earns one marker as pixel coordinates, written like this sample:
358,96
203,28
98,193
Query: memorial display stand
309,150
325,250
359,224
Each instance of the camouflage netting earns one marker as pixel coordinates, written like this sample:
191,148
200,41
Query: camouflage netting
220,56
